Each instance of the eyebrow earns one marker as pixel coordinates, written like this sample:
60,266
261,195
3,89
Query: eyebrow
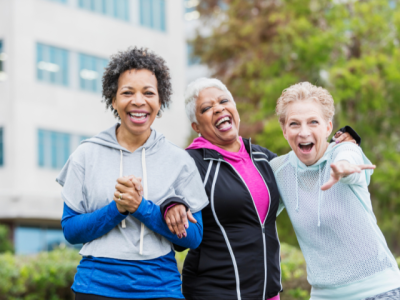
131,88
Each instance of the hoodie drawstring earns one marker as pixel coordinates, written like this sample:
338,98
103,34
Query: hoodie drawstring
297,189
319,195
145,192
319,192
123,223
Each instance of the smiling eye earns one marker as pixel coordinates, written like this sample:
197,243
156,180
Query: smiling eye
127,93
224,100
292,124
149,93
205,109
314,122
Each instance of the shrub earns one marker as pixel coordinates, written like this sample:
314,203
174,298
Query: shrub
47,275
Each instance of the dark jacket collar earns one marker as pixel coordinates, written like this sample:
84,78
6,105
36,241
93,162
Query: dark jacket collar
212,154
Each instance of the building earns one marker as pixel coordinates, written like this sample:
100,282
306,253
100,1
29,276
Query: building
52,54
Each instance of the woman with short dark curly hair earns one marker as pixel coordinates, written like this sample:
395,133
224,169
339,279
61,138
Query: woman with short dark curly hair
115,184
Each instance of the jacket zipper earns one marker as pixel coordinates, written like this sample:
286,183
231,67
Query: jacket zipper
262,224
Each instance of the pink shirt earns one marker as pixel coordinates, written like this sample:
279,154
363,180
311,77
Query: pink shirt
242,163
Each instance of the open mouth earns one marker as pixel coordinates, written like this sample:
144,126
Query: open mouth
306,147
138,117
224,123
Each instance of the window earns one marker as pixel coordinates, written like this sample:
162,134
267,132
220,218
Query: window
152,14
192,60
91,70
30,240
52,64
191,12
3,57
54,148
1,148
118,9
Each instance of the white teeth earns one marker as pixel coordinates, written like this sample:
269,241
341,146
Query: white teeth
222,120
138,115
305,144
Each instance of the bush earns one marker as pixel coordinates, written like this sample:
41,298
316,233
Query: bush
47,275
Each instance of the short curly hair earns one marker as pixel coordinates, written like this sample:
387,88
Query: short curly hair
136,58
305,91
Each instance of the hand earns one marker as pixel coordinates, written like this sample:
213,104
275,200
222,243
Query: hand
342,169
177,220
131,191
340,137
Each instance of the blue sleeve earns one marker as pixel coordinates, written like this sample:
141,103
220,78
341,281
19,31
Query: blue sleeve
82,228
150,215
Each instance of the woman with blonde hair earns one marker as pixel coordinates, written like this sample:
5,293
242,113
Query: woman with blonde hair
325,192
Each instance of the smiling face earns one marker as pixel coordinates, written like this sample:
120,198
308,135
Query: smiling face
137,101
217,117
306,130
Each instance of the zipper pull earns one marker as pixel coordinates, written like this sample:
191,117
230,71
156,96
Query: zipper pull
263,228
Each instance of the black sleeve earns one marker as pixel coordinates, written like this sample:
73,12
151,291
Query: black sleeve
352,132
170,201
178,248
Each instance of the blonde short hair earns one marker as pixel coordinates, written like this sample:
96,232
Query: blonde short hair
301,92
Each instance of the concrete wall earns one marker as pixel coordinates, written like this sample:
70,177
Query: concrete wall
26,104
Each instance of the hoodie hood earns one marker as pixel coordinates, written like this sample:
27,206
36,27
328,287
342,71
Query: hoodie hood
108,138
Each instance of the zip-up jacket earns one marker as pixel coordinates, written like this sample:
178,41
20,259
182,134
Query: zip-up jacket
239,257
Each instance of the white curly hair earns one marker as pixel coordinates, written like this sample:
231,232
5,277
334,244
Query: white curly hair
193,90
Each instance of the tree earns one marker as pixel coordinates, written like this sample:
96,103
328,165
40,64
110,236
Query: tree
260,47
5,243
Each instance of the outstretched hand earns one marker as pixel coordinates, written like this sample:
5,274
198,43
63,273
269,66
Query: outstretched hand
177,220
342,169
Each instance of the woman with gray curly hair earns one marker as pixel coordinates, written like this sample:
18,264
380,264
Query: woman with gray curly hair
115,183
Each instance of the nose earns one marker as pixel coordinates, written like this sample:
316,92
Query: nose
138,100
218,108
304,132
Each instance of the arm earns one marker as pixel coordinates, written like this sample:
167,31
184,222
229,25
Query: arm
83,228
347,167
150,215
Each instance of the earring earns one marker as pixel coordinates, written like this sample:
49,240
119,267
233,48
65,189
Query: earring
199,134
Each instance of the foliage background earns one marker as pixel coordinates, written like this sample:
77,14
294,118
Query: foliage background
351,47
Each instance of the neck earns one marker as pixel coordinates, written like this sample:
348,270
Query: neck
232,147
130,141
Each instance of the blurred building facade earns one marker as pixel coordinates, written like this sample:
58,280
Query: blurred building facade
52,55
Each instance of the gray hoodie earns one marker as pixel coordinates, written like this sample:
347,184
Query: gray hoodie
89,178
